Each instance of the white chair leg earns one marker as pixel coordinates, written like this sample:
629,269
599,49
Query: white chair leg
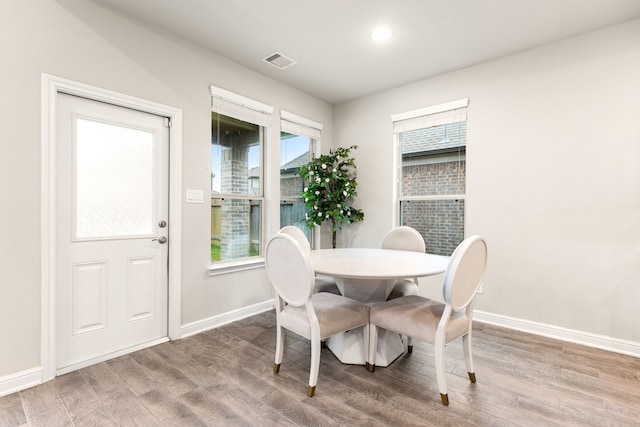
279,349
373,347
409,344
440,372
367,343
315,367
468,356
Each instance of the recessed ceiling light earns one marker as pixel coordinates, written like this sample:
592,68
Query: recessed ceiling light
381,34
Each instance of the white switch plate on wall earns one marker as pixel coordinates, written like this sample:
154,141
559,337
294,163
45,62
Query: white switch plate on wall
195,196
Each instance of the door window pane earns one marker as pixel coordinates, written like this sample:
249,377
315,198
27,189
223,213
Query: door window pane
114,180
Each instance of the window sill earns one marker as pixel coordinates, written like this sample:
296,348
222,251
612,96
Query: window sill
227,267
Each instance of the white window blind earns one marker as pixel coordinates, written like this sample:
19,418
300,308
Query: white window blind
240,107
297,125
450,112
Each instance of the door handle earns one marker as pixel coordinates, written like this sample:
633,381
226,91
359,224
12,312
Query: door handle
162,240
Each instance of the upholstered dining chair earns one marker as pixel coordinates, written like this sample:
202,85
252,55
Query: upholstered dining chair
435,322
404,238
323,283
315,316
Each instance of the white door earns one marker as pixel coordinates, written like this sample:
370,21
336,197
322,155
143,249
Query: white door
112,222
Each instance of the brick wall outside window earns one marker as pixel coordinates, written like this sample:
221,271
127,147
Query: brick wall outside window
440,222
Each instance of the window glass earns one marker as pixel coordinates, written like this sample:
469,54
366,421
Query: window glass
433,183
440,222
236,188
115,176
295,151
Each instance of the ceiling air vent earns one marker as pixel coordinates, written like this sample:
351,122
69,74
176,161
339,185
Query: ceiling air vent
278,60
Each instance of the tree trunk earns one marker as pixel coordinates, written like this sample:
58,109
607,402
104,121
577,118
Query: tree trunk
334,231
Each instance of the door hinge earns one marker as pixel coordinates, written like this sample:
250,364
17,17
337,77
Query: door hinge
167,122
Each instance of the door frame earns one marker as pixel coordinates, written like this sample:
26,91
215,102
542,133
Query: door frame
51,87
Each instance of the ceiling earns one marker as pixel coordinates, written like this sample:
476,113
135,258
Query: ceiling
336,60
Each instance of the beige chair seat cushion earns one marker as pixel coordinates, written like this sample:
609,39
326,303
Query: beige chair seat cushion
417,317
335,314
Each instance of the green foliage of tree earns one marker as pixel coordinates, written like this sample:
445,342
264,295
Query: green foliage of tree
330,189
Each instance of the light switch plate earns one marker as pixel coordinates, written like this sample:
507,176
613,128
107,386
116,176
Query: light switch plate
195,196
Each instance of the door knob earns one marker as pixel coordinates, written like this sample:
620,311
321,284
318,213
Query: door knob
161,240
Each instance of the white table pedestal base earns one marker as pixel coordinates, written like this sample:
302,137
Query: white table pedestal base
348,347
365,290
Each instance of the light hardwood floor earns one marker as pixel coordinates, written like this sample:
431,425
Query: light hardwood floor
225,377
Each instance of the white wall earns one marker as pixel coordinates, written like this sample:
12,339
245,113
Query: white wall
553,176
78,40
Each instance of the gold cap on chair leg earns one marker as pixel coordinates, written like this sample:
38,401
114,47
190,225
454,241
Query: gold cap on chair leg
472,376
445,398
370,367
409,349
312,391
276,368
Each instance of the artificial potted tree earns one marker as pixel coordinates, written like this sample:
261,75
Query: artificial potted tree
331,189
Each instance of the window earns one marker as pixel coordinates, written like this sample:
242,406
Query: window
431,173
298,138
238,134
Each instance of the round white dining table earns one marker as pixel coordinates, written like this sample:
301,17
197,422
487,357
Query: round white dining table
368,275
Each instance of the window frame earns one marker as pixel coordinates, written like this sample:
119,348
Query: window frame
248,110
301,126
436,115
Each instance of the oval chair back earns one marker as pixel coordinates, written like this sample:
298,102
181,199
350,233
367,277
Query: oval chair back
323,283
289,270
297,234
465,272
404,238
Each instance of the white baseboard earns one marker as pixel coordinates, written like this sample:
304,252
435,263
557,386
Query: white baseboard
603,342
222,319
20,381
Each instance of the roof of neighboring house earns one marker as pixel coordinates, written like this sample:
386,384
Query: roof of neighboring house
296,163
291,166
437,138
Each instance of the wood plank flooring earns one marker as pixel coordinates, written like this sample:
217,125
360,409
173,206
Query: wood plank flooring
224,377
